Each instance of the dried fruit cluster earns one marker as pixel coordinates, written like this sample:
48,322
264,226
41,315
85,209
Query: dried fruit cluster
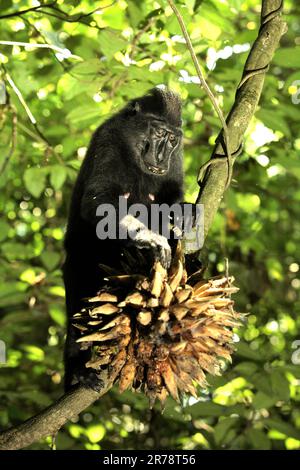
165,333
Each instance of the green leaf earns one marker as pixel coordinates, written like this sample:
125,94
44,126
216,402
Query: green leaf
246,368
262,400
114,17
58,174
10,288
35,180
190,4
262,382
258,439
222,428
280,385
274,269
50,259
142,73
84,113
282,426
110,43
171,22
14,251
69,87
87,68
12,293
4,229
244,350
53,38
287,57
35,396
136,13
57,314
208,408
34,353
58,291
5,4
28,276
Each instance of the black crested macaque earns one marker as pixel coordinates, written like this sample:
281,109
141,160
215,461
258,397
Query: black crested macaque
137,153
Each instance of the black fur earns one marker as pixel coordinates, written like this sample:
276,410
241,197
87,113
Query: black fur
112,167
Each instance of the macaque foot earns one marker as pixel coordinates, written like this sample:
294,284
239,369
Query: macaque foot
90,379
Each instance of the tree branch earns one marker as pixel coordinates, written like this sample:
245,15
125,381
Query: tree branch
50,420
213,184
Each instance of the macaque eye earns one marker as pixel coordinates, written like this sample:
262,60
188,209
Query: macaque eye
173,139
160,132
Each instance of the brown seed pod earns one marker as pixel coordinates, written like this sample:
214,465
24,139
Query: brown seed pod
144,317
158,333
106,309
127,376
166,296
103,297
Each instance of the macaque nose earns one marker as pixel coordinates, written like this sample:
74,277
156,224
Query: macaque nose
160,157
160,151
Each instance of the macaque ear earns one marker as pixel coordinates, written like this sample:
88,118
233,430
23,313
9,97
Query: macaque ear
134,108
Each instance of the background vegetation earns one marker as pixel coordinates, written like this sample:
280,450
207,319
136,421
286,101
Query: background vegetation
52,99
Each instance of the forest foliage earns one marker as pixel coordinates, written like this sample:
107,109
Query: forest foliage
65,66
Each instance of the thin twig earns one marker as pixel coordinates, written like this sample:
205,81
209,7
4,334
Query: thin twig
29,132
33,26
29,113
206,88
62,51
23,12
77,17
13,139
139,34
20,97
64,17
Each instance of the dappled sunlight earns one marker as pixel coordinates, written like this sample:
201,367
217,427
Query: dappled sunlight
63,72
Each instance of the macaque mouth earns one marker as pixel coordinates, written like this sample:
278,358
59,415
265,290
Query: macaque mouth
156,170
